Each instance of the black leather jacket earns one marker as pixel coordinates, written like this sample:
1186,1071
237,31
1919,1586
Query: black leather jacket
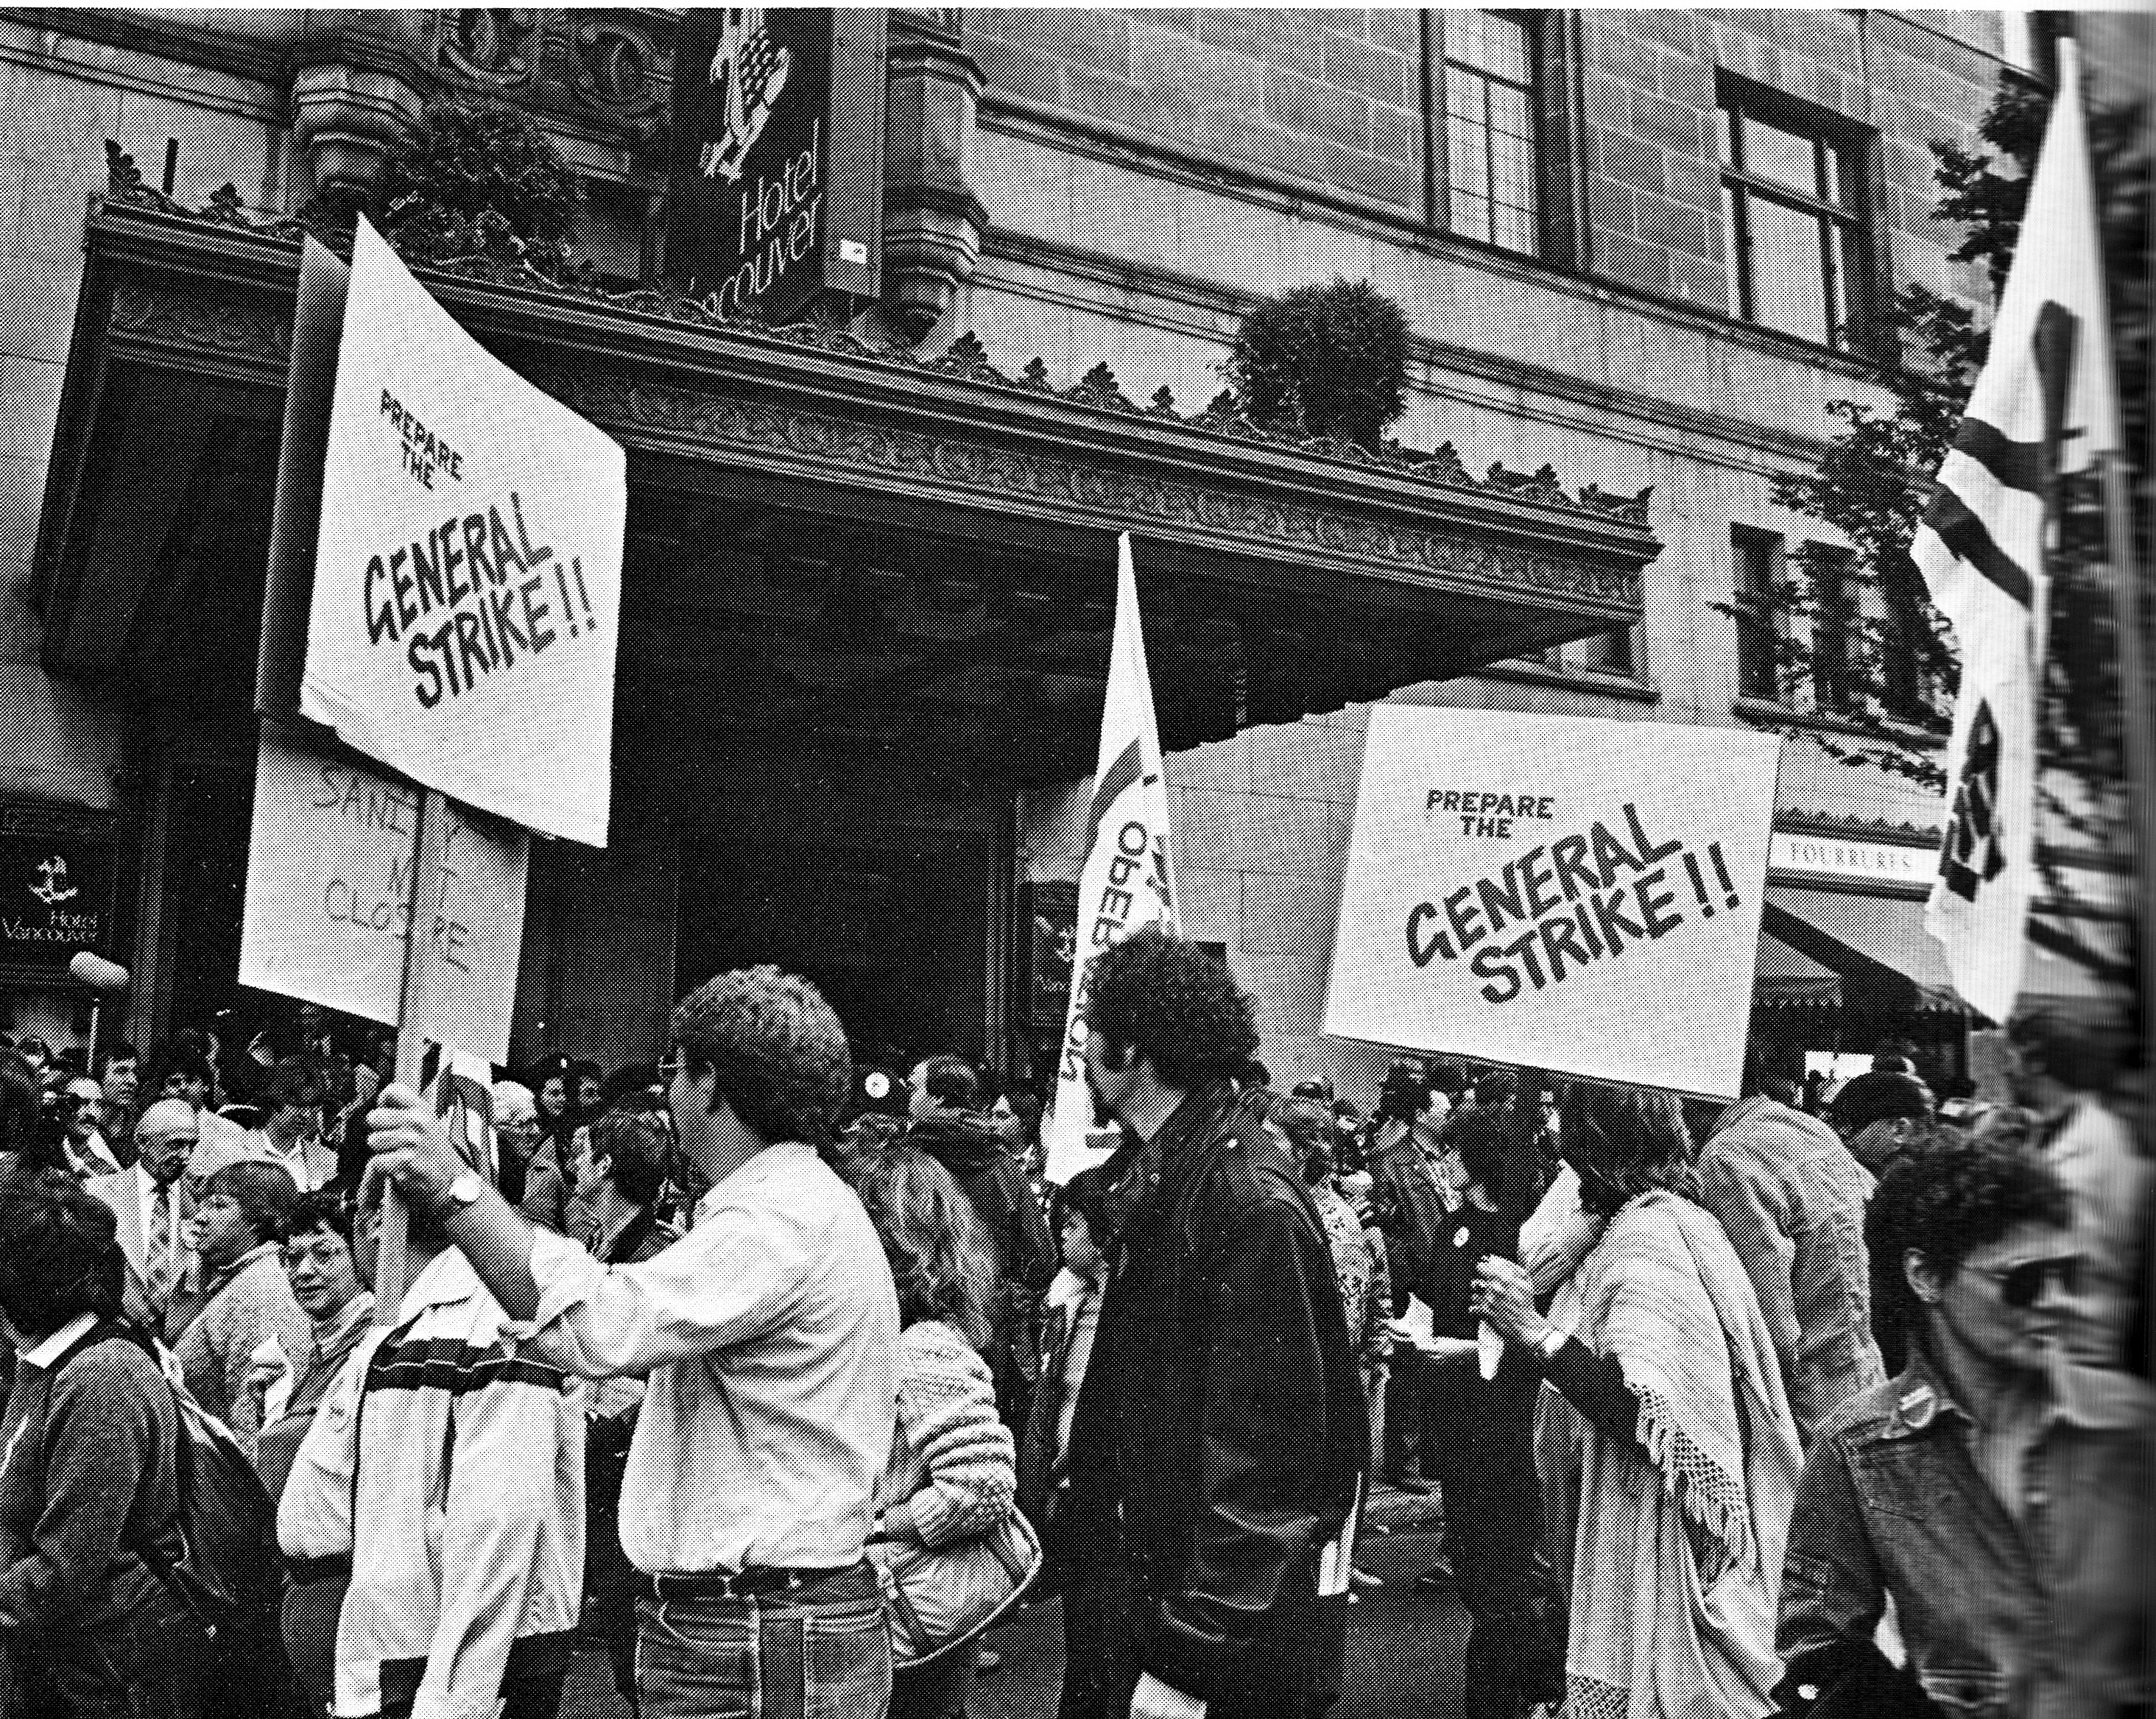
1221,1432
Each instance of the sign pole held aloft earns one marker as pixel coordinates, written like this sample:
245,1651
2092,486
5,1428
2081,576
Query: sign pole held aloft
413,1006
1523,1164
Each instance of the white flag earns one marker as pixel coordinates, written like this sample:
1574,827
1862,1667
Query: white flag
2043,408
1128,879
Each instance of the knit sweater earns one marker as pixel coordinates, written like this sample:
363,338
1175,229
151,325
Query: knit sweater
217,1351
87,1475
950,1455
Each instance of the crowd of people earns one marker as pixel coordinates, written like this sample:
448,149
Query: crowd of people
781,1386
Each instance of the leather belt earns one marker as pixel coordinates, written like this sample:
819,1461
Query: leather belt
305,1571
754,1582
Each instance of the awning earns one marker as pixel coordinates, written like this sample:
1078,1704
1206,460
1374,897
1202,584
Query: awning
1877,946
1785,979
1872,953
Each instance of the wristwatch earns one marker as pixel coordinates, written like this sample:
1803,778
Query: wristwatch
462,1194
1549,1342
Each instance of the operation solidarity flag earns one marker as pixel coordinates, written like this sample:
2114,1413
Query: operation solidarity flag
2043,408
1128,879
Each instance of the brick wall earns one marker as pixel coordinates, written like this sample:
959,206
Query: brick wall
1333,98
1649,164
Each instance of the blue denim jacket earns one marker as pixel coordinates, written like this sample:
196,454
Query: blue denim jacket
1791,1199
2045,1617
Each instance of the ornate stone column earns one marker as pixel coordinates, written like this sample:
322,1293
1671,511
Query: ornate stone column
359,79
932,224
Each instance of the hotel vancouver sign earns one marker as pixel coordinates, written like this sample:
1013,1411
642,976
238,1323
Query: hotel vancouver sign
775,182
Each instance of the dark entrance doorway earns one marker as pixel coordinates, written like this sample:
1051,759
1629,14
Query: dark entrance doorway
895,937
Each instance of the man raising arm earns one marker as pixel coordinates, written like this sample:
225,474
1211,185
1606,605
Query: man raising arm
769,1336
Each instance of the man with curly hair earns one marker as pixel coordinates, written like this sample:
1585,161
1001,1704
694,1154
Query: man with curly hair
769,1336
1221,1440
1997,1491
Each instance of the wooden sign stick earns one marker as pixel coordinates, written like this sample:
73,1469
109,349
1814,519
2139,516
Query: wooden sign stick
1522,1155
412,1004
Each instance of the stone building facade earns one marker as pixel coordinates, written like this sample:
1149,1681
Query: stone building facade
1637,251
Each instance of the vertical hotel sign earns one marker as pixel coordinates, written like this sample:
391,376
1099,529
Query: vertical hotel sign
775,184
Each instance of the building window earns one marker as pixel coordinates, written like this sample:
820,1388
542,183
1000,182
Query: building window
1759,558
1612,654
1489,106
1791,204
1837,628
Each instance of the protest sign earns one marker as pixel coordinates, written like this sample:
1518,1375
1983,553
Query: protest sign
467,576
1557,892
330,894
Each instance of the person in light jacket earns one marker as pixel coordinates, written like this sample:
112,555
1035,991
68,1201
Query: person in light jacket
449,1468
1997,1491
1791,1200
953,1472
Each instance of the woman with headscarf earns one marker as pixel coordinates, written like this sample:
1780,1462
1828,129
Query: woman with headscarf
1666,1450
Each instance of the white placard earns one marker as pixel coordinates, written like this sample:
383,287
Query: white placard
328,884
467,583
1566,893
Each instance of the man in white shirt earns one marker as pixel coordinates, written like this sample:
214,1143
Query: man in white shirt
153,1205
769,1336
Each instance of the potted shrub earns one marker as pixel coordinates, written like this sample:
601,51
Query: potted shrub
479,180
1325,360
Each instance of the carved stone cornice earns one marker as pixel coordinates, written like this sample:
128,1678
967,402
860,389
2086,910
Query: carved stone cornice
839,424
793,438
612,66
199,324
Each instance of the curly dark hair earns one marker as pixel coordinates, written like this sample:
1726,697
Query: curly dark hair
1623,1140
939,1259
1176,1003
1945,1204
776,1048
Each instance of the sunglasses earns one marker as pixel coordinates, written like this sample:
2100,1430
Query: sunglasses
2020,1285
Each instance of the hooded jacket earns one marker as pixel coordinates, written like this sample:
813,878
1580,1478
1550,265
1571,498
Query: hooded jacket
1026,1255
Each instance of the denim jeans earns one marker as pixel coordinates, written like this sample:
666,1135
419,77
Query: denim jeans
822,1651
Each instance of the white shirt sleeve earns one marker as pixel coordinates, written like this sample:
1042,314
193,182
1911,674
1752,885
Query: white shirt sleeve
732,1277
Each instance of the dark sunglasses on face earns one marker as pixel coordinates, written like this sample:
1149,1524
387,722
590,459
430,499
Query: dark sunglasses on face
2020,1285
